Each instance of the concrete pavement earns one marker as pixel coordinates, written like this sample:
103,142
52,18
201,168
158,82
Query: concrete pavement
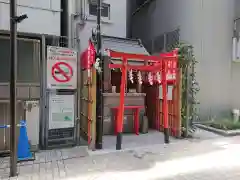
213,159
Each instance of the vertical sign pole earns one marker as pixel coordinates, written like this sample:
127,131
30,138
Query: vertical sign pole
121,106
13,75
165,103
99,104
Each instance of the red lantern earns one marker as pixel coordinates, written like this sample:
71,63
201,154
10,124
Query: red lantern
88,57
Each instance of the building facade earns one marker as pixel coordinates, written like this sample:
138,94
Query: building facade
43,16
56,23
44,20
85,14
208,25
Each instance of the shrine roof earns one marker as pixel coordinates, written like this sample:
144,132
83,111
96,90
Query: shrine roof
133,46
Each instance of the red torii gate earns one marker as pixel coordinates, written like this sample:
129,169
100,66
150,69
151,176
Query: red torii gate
158,63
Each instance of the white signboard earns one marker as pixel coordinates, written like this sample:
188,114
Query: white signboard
61,111
169,92
61,68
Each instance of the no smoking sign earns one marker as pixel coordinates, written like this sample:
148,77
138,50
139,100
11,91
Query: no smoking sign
62,72
61,68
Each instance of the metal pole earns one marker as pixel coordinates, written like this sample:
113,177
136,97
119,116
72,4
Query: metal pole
13,75
99,103
43,100
165,103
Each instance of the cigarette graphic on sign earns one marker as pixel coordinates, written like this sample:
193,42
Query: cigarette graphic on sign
62,72
66,70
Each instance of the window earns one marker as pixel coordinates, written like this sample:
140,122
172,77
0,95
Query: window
172,39
105,10
159,44
166,41
28,61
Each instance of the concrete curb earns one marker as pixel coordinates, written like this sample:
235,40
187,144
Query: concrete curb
219,131
138,148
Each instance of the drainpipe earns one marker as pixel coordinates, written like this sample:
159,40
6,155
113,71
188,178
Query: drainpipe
70,24
78,11
65,22
142,6
78,23
99,58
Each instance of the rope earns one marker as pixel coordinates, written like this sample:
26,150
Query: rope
4,126
8,126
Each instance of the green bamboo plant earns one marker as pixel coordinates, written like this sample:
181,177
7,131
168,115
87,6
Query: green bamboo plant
189,90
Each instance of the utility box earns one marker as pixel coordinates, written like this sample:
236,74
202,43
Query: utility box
32,119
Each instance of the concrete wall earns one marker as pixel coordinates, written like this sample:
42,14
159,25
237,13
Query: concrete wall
236,67
208,26
115,26
43,16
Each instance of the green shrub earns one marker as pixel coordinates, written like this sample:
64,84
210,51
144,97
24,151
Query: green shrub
225,125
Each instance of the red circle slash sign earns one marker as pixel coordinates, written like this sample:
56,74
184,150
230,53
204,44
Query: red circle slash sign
57,69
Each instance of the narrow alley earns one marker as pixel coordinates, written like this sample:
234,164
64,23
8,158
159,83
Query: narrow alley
213,159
